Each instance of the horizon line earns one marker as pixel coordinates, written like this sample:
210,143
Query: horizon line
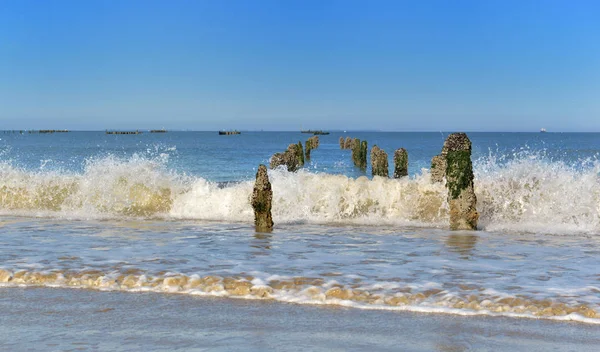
294,131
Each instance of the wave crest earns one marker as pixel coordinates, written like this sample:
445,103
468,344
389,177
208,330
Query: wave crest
524,194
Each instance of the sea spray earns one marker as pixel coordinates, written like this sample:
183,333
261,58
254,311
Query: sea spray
528,193
524,193
108,187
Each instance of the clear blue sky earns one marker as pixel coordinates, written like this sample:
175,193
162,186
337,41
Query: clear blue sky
282,65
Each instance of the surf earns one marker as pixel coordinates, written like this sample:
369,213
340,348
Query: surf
524,193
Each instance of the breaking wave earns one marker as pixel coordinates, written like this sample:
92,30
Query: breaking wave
461,300
523,194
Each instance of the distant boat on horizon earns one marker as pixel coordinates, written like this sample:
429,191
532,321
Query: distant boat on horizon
542,130
315,132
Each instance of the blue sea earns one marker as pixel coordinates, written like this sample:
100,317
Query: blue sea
169,214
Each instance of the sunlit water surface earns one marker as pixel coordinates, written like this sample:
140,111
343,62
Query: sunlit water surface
170,213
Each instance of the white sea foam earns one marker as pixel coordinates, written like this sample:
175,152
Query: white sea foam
527,194
308,291
533,195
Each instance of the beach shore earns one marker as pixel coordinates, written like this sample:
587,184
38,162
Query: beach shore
44,319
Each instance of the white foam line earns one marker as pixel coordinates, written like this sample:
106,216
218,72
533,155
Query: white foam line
326,302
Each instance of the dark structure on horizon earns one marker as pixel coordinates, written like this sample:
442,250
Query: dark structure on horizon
124,132
315,132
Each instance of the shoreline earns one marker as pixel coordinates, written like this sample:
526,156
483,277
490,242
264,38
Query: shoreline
280,298
100,320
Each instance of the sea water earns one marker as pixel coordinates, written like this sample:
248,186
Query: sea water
170,213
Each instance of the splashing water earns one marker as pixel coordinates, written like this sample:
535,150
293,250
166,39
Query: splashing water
523,193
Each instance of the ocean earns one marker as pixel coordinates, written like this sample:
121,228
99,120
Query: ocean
99,219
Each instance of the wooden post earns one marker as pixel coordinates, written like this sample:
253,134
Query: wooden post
262,197
459,183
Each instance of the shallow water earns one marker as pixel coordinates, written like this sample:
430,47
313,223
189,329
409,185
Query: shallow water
42,319
369,267
170,213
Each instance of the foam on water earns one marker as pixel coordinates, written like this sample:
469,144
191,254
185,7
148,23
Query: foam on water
526,193
531,193
319,290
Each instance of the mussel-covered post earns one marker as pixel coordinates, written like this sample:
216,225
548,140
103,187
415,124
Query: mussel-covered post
400,163
363,155
291,158
379,162
341,142
300,153
348,143
438,167
311,143
356,151
276,160
262,197
459,183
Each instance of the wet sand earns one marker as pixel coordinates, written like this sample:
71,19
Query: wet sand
44,319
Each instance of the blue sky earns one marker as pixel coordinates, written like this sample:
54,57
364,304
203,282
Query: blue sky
283,65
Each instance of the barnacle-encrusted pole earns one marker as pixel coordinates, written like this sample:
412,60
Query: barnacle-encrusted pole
459,183
262,197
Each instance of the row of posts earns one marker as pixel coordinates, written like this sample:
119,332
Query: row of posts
293,157
379,158
453,164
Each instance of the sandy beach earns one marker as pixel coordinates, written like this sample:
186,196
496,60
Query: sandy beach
46,319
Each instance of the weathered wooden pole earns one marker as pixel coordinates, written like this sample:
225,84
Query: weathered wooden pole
300,153
314,142
359,153
400,163
262,197
290,158
355,151
311,143
363,155
379,162
341,142
276,160
459,183
348,143
438,167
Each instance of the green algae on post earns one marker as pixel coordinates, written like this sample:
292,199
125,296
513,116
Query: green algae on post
308,149
379,162
355,150
300,153
459,183
400,163
359,153
363,155
311,143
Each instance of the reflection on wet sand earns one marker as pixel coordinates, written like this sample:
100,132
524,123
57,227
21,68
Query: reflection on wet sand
463,244
261,241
